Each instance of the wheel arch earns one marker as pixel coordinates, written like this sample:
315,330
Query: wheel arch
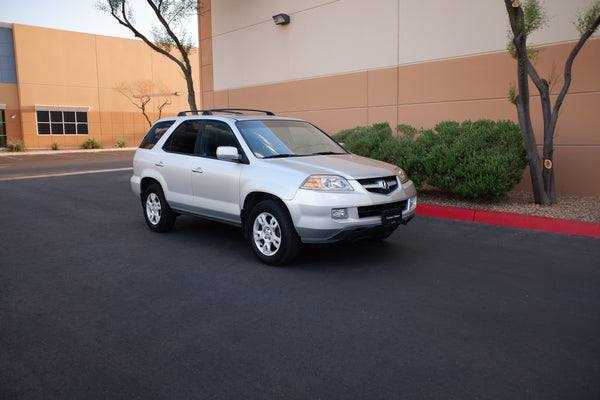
145,183
251,200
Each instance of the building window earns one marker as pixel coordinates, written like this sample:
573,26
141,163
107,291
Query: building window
2,129
56,120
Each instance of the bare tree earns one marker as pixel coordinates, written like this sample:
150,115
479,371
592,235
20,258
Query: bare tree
525,18
169,13
142,91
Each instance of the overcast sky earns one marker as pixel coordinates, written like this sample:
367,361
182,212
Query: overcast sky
78,16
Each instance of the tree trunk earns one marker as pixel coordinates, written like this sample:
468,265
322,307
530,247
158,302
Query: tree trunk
516,18
542,173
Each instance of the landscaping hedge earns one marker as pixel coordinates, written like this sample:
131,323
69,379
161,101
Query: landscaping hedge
474,159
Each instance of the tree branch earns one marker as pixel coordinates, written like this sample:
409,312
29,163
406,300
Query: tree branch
569,67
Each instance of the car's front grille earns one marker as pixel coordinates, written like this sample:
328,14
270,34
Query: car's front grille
377,210
384,185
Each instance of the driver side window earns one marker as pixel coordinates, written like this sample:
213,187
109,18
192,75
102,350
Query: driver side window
214,135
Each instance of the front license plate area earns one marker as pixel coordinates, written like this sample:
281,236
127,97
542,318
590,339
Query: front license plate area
391,217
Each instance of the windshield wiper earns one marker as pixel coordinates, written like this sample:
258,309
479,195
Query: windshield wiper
325,153
280,156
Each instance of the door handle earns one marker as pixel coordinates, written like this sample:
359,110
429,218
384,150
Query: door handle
197,170
159,164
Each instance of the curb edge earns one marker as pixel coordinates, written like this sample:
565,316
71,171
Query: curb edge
556,225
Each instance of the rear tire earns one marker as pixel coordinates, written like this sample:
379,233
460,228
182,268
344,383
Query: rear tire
271,233
157,213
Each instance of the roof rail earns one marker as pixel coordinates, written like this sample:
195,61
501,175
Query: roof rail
222,110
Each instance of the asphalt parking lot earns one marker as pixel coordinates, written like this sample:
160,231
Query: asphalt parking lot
94,305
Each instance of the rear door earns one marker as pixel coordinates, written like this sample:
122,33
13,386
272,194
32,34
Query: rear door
176,163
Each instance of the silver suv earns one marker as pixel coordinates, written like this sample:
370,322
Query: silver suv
282,180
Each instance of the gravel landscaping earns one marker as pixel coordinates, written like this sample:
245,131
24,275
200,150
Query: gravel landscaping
572,207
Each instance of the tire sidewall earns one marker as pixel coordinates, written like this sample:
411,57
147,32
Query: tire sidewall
290,242
167,218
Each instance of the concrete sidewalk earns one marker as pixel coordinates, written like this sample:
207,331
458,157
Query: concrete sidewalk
4,153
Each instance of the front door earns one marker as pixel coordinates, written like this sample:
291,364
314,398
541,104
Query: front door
216,183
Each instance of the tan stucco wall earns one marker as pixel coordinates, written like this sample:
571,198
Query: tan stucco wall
61,68
436,62
328,37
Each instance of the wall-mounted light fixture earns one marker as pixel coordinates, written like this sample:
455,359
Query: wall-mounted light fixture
177,93
281,19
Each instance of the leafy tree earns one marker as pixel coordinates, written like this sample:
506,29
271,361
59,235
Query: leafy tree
142,91
166,38
526,17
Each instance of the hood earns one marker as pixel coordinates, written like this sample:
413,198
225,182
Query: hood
349,166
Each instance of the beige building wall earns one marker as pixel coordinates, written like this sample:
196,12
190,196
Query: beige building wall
346,63
70,69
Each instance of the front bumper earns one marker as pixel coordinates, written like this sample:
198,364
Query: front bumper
368,214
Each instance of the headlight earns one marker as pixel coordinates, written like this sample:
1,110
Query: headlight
401,175
327,182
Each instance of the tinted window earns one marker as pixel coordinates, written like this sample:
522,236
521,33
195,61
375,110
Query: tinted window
57,129
214,135
43,116
69,116
70,129
56,116
62,122
183,138
155,133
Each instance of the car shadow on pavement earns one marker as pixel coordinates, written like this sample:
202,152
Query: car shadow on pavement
229,241
350,255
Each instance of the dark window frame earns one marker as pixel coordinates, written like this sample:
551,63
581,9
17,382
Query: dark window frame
61,121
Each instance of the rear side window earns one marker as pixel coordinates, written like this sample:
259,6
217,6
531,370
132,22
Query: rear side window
183,138
155,133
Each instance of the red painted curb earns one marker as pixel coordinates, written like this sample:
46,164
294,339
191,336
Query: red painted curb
556,225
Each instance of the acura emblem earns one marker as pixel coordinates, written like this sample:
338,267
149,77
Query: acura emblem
383,184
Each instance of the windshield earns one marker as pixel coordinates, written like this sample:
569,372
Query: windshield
280,138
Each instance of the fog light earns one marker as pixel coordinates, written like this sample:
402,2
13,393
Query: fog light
413,202
339,213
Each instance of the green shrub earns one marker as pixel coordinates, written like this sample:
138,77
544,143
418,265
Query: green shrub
15,146
121,143
91,143
376,141
54,146
473,159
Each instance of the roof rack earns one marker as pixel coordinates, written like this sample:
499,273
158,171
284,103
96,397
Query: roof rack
222,110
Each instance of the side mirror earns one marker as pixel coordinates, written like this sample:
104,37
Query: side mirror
228,153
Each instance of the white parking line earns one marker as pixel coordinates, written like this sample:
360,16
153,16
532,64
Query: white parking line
96,171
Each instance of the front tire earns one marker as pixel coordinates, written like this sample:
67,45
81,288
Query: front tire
157,213
271,233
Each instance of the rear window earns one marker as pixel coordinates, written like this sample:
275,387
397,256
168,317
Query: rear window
155,133
183,138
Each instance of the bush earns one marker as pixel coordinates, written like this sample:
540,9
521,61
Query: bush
375,141
473,159
121,143
54,146
91,143
15,146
